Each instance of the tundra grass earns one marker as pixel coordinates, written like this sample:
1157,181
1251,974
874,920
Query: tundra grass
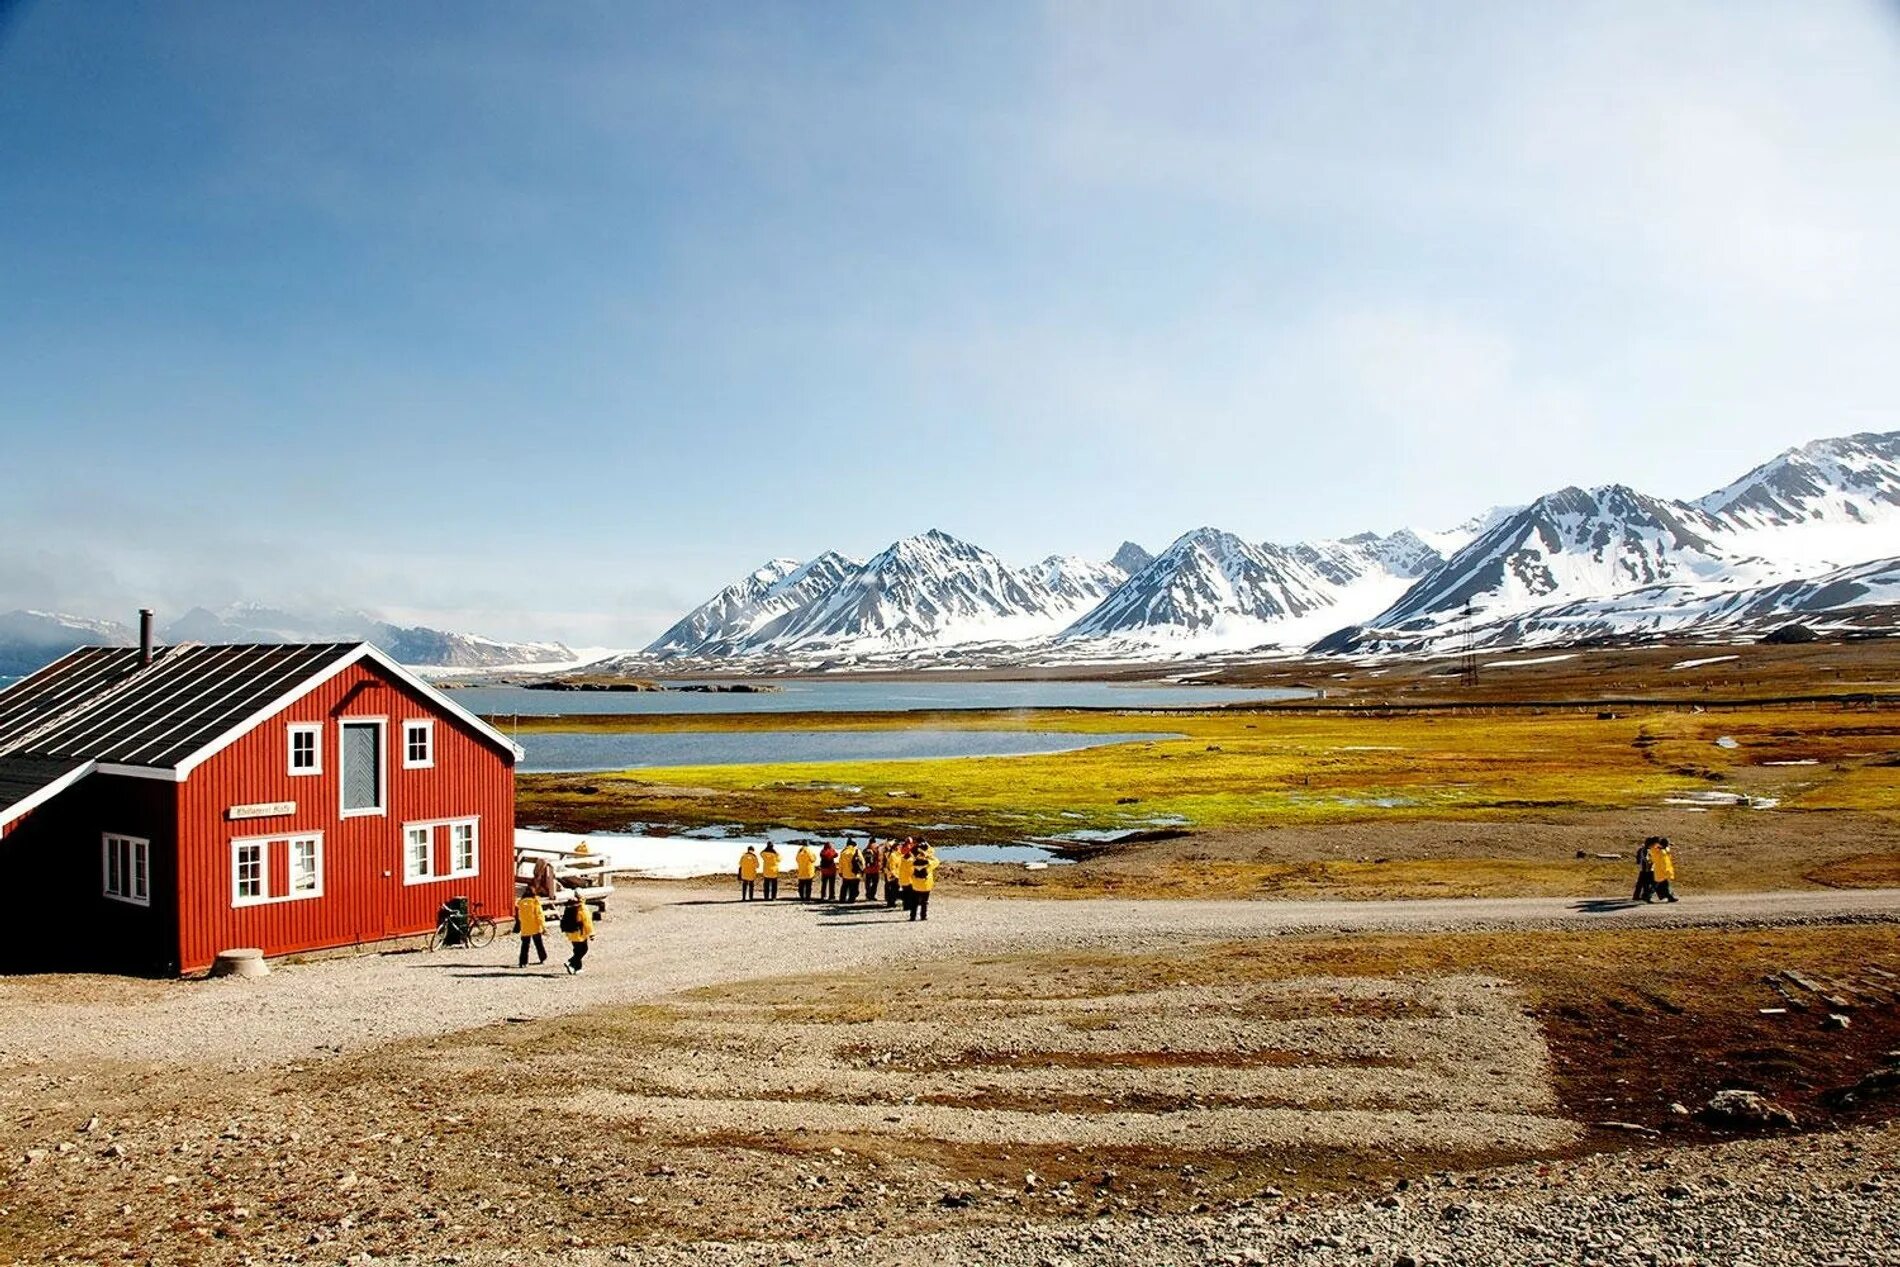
1241,769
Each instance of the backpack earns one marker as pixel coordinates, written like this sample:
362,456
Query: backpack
571,918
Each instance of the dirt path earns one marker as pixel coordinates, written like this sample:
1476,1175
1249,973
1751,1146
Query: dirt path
665,938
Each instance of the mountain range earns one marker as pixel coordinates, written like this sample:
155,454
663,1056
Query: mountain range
30,639
1811,535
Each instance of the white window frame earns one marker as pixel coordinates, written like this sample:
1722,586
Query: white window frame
427,727
263,846
137,850
409,874
315,838
238,846
382,767
474,847
315,731
474,825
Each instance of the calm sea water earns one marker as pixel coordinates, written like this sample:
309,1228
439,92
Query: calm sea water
574,753
863,695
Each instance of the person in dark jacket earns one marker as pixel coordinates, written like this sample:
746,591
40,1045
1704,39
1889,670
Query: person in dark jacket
1645,872
873,869
828,873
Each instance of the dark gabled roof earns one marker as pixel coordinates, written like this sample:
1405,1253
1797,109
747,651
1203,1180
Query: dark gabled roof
98,704
23,779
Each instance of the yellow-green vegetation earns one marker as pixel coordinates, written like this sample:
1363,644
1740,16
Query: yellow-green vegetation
1252,769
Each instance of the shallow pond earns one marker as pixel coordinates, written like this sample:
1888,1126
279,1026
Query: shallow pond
716,850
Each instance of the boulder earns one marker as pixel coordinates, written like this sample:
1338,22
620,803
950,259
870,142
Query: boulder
1750,1109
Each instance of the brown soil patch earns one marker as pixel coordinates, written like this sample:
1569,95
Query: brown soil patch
1862,871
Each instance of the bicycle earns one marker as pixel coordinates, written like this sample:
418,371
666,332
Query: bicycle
456,926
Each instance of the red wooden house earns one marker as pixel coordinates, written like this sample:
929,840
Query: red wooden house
163,804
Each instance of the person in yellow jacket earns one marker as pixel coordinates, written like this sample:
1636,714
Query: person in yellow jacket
923,878
768,871
531,923
850,872
897,884
748,872
578,923
1662,862
807,868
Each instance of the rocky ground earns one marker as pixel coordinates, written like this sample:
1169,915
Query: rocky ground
1814,1200
1091,1088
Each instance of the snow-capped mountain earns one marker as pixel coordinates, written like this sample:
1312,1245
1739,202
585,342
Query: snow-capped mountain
1863,596
1212,589
29,640
1826,504
1573,543
1079,583
753,608
927,590
1851,479
416,645
32,639
1573,563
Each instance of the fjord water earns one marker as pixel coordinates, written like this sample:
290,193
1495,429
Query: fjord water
569,753
866,695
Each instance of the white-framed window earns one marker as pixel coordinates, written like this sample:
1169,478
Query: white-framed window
306,866
418,853
306,748
361,766
464,857
251,868
418,745
418,850
127,864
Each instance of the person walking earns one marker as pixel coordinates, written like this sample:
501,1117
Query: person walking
807,868
827,874
873,869
531,923
850,872
1645,870
1662,861
768,871
923,878
748,873
578,923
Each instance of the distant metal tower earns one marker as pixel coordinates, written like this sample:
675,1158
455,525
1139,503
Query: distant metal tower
1468,668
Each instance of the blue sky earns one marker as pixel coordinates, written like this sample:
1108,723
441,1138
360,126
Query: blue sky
551,319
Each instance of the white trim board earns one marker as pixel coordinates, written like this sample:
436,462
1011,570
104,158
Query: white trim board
364,651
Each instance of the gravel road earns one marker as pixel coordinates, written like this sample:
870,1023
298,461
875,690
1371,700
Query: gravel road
662,938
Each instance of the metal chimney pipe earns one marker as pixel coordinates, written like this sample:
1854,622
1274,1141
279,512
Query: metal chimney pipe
145,637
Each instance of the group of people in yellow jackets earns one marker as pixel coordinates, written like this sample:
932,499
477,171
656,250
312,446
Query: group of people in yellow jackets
905,871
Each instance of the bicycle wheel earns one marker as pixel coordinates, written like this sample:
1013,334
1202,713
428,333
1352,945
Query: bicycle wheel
435,936
481,931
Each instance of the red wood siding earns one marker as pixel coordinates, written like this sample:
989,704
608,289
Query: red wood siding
364,897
